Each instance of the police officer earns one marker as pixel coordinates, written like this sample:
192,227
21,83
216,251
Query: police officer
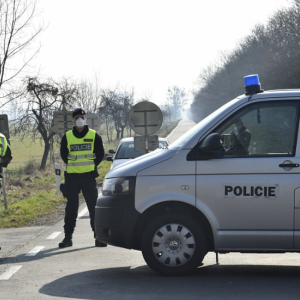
244,134
241,140
5,154
82,150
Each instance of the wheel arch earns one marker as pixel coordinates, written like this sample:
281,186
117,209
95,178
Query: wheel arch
168,206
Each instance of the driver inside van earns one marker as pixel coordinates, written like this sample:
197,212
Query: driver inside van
241,140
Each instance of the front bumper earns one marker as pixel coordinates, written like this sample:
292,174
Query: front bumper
115,219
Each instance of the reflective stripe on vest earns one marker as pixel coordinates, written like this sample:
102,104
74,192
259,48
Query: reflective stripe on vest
3,145
74,157
83,163
81,152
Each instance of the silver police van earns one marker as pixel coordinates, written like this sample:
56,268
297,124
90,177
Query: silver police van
230,184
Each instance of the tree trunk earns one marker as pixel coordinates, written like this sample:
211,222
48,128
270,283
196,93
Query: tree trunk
45,156
122,132
118,134
107,133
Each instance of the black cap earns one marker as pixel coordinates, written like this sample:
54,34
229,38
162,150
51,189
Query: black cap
78,111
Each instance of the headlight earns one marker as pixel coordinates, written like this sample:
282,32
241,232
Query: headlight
118,186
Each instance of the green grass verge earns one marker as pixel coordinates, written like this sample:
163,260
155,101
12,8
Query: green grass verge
22,212
29,196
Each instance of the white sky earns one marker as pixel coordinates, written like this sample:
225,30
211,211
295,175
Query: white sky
145,45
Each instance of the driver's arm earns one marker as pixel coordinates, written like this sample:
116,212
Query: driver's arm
245,139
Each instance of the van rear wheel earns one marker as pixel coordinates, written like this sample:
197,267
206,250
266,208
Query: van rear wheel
173,244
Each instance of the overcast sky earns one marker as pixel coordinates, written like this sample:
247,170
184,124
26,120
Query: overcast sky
145,45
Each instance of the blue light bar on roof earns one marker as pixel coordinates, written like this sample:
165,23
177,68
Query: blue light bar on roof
252,84
251,80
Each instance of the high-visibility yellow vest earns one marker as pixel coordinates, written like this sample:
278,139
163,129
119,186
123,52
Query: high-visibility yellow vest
3,145
81,156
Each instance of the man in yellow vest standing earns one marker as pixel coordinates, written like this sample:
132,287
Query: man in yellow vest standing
5,154
82,150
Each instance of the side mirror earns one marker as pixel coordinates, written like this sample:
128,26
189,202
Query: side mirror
109,158
209,148
210,143
111,151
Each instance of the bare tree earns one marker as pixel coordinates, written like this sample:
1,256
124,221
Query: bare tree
115,107
146,96
177,100
68,92
107,96
167,112
88,95
17,34
40,100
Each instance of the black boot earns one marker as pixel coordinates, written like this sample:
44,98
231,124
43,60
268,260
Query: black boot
98,243
66,242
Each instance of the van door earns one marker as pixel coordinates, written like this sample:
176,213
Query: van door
248,193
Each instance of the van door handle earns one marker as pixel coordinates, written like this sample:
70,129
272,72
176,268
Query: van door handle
289,165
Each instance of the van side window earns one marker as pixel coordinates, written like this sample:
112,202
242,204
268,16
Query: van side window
261,129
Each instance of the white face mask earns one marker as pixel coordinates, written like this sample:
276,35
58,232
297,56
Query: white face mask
79,123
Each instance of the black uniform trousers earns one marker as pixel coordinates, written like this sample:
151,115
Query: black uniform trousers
76,183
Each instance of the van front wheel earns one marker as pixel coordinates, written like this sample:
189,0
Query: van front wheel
173,244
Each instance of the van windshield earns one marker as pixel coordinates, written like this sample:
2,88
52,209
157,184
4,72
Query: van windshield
197,129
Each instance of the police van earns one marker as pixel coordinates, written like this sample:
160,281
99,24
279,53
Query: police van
229,184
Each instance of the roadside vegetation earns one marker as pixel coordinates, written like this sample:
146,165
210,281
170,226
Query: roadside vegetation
270,50
31,192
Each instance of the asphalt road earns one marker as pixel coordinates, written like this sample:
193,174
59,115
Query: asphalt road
33,267
183,126
38,269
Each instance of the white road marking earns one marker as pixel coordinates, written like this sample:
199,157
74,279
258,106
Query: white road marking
82,213
35,251
10,272
53,235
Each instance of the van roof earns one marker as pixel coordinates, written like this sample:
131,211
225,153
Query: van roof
275,94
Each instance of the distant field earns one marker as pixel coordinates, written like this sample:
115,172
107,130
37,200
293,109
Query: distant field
31,151
25,151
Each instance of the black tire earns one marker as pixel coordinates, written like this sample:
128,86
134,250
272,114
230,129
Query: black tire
173,244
